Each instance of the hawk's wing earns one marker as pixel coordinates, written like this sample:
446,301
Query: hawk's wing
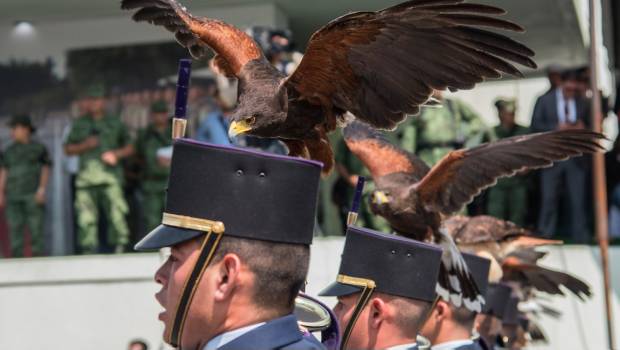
233,47
463,174
378,154
544,279
383,65
481,229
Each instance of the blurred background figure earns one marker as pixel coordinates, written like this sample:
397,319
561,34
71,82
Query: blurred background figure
212,125
558,110
153,159
101,141
23,185
137,345
612,163
439,130
508,199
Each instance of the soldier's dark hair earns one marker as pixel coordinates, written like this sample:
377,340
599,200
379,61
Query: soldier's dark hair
280,269
463,316
411,313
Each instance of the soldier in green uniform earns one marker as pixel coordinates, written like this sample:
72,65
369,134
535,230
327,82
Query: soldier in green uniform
507,200
101,141
25,172
150,145
439,130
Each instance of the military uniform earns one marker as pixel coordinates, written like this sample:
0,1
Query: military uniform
99,185
377,262
437,131
154,175
507,200
218,191
24,163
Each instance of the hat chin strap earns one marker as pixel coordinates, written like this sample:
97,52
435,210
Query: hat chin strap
369,287
214,232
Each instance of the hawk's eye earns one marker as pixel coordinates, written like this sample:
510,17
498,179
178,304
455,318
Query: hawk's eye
250,120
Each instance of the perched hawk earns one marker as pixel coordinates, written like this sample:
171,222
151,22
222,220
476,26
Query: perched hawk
415,199
379,66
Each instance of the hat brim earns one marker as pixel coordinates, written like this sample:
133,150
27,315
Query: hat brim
165,236
338,289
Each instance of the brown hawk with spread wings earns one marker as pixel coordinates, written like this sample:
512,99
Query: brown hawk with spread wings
380,66
415,199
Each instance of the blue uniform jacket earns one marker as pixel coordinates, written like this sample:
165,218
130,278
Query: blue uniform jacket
281,333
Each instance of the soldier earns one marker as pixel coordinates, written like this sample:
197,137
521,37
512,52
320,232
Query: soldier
150,147
507,200
437,131
239,224
23,183
385,289
489,323
101,141
450,327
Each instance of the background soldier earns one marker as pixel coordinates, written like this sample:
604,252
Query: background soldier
101,141
437,131
25,173
385,289
151,142
507,200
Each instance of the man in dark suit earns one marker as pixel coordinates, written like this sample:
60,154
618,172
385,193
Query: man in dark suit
450,327
239,224
557,110
385,289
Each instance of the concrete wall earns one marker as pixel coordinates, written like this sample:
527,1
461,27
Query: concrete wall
101,302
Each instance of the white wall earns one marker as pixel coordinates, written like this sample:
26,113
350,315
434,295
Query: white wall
53,39
101,302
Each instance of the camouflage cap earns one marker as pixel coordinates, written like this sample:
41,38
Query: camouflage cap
23,120
506,104
93,91
159,106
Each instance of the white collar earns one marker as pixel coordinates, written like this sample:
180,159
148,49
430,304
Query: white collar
403,346
229,336
452,344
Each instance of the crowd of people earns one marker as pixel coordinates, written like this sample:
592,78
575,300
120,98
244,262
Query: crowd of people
118,149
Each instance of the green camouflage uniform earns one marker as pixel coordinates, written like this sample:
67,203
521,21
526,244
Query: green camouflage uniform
154,176
507,200
23,164
437,131
98,185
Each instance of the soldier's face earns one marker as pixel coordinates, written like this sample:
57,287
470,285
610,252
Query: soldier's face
359,338
172,276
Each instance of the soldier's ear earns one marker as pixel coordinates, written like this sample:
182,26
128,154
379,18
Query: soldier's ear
228,274
378,312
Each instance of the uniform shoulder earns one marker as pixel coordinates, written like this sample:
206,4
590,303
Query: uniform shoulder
305,344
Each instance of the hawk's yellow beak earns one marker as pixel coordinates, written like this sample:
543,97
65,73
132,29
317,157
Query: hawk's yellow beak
237,128
379,198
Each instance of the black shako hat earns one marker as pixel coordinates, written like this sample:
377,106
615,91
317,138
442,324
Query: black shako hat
479,269
216,190
511,313
497,298
374,261
396,265
241,192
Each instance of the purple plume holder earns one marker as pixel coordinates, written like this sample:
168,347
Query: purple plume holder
357,199
179,122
